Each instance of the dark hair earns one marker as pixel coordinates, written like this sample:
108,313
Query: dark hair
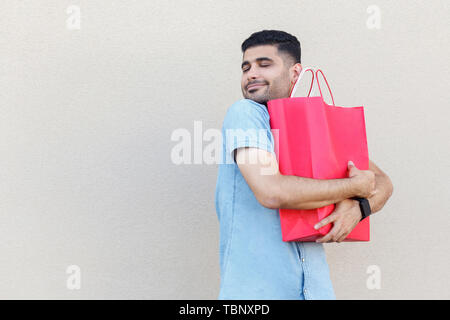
285,42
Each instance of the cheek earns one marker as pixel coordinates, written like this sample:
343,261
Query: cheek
274,77
281,83
242,83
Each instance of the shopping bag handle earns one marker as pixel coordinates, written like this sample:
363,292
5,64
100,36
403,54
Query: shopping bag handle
318,84
294,88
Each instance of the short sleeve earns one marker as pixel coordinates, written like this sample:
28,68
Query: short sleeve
246,124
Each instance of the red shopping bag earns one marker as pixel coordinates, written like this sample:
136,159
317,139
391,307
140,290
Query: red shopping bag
316,140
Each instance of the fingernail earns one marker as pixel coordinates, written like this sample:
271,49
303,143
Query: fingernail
351,163
316,226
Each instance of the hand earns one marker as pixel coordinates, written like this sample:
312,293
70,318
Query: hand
345,217
364,181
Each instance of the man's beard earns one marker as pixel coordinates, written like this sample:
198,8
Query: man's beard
256,96
278,88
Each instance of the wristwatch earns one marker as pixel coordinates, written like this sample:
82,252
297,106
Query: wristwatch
364,206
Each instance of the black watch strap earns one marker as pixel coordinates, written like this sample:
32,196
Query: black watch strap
364,206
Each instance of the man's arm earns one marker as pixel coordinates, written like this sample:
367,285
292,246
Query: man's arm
273,190
383,186
347,213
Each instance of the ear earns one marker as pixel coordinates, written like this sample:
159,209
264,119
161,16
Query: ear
294,72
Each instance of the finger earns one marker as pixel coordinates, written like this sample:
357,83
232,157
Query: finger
331,218
337,231
351,168
341,237
325,238
351,165
330,235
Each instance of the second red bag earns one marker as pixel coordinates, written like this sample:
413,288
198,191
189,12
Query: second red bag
316,140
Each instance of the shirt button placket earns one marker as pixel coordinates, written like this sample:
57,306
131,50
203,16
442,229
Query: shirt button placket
305,291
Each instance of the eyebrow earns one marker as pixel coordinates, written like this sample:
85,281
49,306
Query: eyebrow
257,59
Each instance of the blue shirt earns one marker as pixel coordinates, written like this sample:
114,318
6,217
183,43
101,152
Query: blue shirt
254,261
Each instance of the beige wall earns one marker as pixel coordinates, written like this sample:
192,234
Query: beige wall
86,176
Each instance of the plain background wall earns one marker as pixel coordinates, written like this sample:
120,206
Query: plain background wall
86,176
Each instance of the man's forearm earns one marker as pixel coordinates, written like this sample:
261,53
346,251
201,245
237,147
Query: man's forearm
384,188
306,193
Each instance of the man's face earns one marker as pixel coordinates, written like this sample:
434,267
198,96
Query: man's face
265,75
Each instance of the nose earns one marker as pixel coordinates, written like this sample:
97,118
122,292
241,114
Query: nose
252,74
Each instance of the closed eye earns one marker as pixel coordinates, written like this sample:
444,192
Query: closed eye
262,65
